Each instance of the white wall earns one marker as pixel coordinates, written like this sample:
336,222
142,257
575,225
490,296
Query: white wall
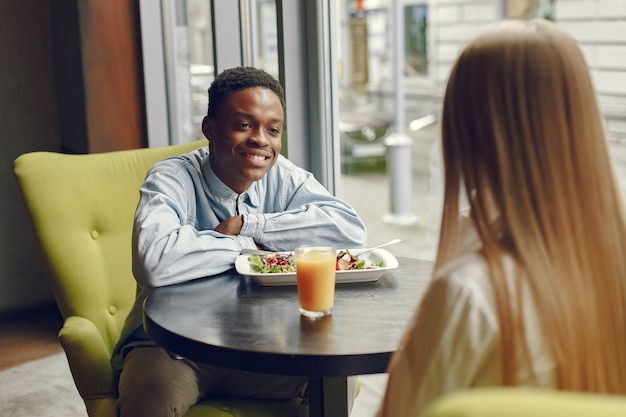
600,28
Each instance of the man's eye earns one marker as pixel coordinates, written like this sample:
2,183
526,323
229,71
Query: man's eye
275,131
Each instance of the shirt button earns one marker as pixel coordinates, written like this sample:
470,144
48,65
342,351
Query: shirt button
112,310
94,234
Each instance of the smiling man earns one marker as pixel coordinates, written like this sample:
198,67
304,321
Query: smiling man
197,212
245,136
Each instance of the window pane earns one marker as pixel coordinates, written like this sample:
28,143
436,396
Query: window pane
434,32
266,56
416,46
366,113
201,68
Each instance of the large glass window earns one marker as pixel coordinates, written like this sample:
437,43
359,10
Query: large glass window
201,69
369,92
373,147
434,32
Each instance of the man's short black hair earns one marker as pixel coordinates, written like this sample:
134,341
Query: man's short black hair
239,78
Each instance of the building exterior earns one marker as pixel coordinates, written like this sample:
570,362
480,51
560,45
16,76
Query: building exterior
598,25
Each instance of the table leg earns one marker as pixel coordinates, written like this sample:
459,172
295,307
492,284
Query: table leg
328,397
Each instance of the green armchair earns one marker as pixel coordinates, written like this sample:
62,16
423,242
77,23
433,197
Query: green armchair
525,402
82,207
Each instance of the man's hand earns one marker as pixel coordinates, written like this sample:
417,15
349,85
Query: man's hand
231,226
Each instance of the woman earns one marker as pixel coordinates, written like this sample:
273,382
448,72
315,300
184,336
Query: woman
530,289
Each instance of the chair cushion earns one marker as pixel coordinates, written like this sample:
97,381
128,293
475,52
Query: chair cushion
526,402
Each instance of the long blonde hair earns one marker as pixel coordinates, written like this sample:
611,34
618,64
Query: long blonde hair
522,133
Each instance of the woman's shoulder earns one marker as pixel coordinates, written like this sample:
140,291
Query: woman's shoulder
468,269
471,267
467,277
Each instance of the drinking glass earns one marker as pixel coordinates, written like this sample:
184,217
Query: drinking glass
315,273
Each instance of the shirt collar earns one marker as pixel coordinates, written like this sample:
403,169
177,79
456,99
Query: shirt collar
223,192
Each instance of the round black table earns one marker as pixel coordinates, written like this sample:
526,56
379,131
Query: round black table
230,321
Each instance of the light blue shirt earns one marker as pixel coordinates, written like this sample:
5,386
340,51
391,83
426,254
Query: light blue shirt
182,201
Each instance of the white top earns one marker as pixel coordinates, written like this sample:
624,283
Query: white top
455,342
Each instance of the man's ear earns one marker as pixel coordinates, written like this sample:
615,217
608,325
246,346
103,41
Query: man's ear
207,127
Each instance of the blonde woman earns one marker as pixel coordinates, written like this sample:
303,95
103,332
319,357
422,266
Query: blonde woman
533,292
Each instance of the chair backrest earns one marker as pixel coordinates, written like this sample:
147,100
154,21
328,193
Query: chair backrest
82,208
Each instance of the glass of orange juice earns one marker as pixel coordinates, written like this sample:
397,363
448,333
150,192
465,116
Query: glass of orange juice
315,274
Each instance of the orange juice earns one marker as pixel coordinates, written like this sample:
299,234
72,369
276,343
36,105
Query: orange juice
315,271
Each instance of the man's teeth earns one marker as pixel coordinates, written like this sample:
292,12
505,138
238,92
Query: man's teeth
255,157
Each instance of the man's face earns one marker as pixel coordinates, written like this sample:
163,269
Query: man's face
245,136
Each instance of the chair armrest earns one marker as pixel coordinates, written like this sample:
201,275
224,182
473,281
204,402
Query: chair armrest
88,358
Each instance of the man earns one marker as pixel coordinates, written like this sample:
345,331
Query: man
197,212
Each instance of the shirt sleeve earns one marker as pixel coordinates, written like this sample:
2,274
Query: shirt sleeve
451,339
308,214
168,248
